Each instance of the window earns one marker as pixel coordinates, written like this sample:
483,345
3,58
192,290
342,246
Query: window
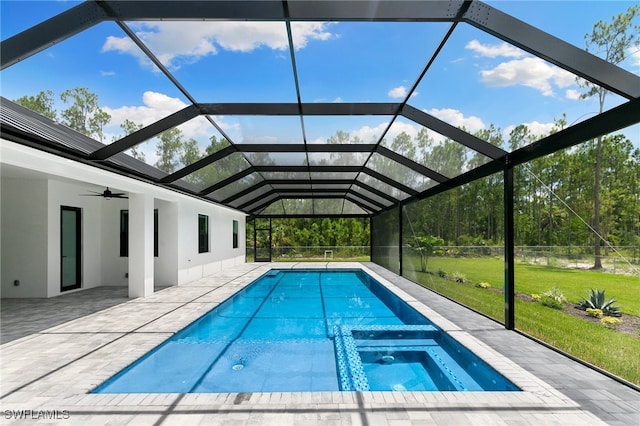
235,234
155,232
203,233
124,233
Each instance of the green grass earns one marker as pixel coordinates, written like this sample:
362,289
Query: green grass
575,284
608,349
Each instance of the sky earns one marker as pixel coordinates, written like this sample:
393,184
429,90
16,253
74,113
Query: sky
476,81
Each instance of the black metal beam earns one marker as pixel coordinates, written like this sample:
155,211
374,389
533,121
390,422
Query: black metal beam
306,10
145,133
227,181
50,32
261,204
509,244
312,169
416,167
553,49
198,10
390,181
285,182
458,135
248,147
310,193
400,230
245,191
615,119
360,204
336,108
376,191
203,162
251,209
375,10
313,216
475,174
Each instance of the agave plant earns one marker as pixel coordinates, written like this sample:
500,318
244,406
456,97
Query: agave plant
597,300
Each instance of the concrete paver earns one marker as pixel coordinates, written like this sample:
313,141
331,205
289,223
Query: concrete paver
54,363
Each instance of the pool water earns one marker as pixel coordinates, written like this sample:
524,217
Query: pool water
299,331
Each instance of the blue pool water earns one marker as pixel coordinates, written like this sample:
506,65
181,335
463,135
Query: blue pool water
309,330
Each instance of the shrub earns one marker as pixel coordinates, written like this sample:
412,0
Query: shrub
550,302
597,313
459,277
610,322
483,284
442,274
535,297
553,298
597,300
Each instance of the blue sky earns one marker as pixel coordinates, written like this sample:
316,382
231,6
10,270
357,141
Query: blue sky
476,81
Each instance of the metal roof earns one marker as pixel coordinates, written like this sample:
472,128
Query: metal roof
302,178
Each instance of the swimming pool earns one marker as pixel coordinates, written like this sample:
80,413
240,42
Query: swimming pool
308,330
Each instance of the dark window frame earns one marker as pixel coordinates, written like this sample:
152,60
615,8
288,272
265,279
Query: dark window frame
124,233
235,234
203,233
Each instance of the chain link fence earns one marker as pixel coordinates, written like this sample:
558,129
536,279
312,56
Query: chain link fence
328,253
618,260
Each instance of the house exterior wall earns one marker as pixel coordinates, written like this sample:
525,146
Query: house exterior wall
193,265
24,237
166,264
30,234
113,267
69,194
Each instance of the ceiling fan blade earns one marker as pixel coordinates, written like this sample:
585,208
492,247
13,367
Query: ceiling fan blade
106,194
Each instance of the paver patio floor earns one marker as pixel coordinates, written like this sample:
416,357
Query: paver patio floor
56,351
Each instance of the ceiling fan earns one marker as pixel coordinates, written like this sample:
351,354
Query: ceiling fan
106,194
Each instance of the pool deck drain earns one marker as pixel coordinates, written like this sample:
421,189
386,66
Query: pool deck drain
46,375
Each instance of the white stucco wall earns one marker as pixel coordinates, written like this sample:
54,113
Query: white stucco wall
193,265
69,194
113,267
31,227
166,264
24,237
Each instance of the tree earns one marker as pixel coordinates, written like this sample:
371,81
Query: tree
168,150
130,127
611,41
84,114
42,103
425,245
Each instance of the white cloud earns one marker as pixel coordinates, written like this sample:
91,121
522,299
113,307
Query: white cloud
495,50
536,128
156,106
369,134
530,72
107,73
337,100
400,92
572,94
176,43
457,119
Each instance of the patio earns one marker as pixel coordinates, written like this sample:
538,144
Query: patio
50,367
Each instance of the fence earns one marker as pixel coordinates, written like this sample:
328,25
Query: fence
360,253
621,259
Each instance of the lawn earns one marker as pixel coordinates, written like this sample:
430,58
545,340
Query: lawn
530,279
611,350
